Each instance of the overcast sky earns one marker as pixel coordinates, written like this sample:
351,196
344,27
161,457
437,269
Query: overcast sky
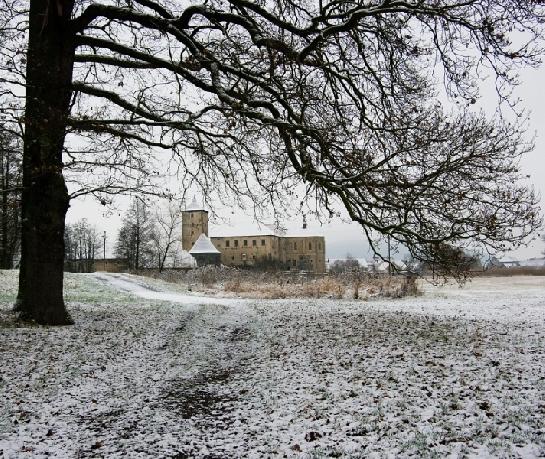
343,238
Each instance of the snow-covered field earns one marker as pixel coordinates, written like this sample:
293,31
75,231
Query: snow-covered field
148,372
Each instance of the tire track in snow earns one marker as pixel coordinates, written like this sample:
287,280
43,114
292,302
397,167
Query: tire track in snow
212,349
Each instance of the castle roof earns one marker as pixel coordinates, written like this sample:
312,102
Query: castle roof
194,205
203,245
266,230
236,232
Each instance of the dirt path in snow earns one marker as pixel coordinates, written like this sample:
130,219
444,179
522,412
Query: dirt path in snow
212,348
214,340
134,285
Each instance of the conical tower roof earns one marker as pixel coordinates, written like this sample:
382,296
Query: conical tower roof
194,205
203,245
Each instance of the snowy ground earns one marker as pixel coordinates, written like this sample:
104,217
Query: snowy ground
151,373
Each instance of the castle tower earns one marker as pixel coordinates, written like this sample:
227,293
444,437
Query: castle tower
194,223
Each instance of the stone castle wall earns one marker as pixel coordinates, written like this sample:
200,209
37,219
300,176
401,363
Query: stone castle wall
301,253
305,253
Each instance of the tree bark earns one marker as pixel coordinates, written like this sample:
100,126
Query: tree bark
50,61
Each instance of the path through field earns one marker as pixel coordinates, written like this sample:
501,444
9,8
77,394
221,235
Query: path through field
158,373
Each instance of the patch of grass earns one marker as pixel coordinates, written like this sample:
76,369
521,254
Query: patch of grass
317,288
82,288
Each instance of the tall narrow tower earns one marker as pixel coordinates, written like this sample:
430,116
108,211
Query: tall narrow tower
194,223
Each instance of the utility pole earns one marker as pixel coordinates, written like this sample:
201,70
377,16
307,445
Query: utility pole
104,255
389,258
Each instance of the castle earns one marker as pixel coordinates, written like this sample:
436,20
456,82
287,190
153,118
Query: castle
300,252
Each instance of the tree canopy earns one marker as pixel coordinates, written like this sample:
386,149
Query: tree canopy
322,102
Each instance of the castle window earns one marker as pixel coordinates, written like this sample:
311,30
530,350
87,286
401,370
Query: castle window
295,245
245,243
254,243
319,246
236,242
227,243
233,258
309,246
262,242
294,262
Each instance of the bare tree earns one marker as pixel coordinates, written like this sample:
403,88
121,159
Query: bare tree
447,254
10,196
342,266
351,271
82,243
281,102
167,234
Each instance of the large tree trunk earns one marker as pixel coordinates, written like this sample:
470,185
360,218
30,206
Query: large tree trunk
45,199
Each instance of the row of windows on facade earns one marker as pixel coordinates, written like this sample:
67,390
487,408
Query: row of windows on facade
294,262
244,257
254,244
244,243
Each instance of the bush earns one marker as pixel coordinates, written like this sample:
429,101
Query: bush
515,271
353,283
407,287
343,266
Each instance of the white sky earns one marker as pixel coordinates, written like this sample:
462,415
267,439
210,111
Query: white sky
343,238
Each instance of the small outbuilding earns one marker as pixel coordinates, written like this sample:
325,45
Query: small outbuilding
509,262
204,252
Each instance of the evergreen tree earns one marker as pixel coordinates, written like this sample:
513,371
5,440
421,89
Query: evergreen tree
135,241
